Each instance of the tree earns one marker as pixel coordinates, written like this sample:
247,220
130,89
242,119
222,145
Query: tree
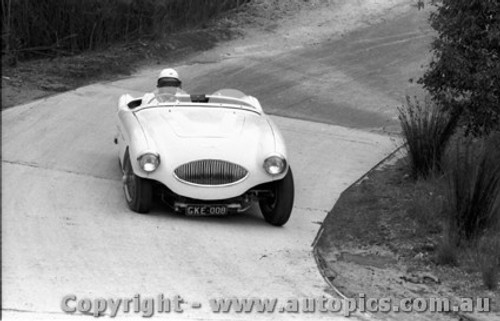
465,72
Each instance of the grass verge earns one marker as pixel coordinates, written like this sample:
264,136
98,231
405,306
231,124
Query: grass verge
385,237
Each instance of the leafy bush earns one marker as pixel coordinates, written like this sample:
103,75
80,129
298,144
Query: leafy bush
473,190
426,129
464,74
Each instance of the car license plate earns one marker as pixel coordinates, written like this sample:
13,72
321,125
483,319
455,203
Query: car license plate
206,210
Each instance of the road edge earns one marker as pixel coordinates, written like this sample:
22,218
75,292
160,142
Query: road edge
327,273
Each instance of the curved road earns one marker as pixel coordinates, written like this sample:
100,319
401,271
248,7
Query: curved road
65,225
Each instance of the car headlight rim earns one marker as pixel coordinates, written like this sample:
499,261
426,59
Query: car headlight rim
149,161
275,165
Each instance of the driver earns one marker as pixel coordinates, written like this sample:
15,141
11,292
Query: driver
168,85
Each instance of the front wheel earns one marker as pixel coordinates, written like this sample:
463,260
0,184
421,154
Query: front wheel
278,207
138,191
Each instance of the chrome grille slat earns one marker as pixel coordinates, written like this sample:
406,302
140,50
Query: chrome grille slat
210,172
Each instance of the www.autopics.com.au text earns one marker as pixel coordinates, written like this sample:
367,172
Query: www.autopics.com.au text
148,306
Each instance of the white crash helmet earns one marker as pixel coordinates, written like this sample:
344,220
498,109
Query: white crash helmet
169,78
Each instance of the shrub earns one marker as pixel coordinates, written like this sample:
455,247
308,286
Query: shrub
464,72
426,130
473,189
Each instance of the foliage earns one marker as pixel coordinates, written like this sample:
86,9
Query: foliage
51,27
426,129
465,72
473,192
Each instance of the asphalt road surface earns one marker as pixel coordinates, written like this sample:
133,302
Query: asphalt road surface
66,228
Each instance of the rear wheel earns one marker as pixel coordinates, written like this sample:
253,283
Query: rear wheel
138,191
278,207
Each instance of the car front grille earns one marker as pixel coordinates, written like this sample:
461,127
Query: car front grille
211,172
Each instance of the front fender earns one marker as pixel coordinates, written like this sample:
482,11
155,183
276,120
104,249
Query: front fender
279,143
134,138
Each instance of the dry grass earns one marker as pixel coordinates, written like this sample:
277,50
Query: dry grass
426,205
50,28
473,189
473,208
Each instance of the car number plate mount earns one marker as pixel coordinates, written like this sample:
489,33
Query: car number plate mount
206,210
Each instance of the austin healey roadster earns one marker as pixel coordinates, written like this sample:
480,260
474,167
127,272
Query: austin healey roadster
203,155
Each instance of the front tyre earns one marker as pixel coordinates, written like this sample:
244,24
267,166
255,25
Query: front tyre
138,191
278,207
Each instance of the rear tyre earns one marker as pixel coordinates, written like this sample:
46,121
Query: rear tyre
138,191
278,207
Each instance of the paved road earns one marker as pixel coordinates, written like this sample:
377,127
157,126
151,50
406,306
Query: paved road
66,228
355,81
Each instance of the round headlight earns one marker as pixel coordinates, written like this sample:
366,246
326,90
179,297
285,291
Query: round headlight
149,162
274,165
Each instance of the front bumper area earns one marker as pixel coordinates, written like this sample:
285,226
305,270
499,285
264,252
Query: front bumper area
237,204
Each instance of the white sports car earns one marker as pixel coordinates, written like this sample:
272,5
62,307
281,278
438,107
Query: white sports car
203,155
